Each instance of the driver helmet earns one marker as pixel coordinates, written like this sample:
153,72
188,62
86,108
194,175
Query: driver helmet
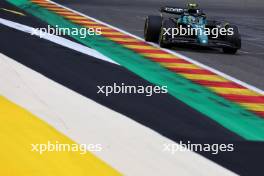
192,8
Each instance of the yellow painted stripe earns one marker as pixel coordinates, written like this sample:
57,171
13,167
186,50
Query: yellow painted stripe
155,55
112,33
77,17
123,39
253,106
154,49
139,46
56,9
235,91
204,77
19,129
65,13
179,65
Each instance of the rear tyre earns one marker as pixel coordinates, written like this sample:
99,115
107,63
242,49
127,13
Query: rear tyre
152,28
234,39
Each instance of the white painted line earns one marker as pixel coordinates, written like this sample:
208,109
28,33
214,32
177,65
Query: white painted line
128,146
175,53
56,39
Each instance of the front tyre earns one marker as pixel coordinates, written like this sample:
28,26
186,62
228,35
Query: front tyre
234,40
152,28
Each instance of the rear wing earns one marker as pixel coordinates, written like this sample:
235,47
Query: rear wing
173,10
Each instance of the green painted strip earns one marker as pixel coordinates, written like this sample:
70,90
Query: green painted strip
226,113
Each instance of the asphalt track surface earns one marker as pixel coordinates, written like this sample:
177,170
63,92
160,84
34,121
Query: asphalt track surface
68,67
248,15
174,119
